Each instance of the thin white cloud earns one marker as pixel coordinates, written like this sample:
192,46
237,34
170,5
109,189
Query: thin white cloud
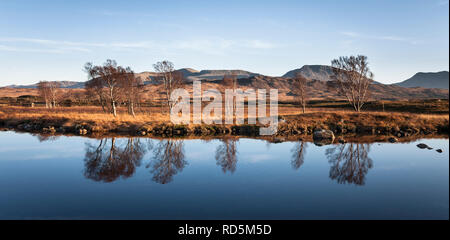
387,38
51,42
208,46
111,13
37,50
258,44
215,46
350,34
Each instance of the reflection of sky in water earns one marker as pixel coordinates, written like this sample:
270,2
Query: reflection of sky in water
47,180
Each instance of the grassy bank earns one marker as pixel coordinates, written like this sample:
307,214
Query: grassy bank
428,106
91,121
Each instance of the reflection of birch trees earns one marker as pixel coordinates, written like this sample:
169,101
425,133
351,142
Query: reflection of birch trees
168,160
298,154
349,163
226,155
110,160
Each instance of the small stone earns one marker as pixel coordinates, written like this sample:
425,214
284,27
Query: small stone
422,145
393,140
82,131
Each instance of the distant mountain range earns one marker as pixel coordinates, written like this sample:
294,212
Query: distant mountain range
191,75
427,80
64,84
430,85
217,74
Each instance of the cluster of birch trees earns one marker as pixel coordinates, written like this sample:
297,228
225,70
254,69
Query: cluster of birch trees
112,85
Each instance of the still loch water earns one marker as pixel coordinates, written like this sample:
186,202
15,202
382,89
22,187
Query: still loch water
141,178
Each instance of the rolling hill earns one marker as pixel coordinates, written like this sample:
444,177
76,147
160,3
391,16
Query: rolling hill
427,80
313,72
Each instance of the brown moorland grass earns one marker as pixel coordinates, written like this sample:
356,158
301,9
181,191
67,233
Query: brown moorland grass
293,122
368,119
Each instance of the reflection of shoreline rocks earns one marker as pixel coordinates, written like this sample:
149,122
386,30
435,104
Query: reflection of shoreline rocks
423,146
323,137
392,139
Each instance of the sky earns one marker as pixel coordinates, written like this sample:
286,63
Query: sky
52,40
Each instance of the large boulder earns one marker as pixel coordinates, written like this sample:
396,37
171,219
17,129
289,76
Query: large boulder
323,134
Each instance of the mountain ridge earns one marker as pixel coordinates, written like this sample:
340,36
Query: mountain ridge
313,72
321,73
63,84
427,80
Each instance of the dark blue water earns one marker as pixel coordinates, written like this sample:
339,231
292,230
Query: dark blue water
122,178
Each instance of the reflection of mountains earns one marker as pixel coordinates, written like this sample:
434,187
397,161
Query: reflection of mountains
112,159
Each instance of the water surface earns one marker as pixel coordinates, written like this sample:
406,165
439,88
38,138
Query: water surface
141,178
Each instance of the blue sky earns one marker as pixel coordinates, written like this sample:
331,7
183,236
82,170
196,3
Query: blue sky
51,40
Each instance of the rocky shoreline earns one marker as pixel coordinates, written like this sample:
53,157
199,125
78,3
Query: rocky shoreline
286,130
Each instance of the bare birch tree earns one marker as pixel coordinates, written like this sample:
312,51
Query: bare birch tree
54,90
171,79
49,92
109,77
44,92
230,80
299,89
94,86
132,90
353,77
